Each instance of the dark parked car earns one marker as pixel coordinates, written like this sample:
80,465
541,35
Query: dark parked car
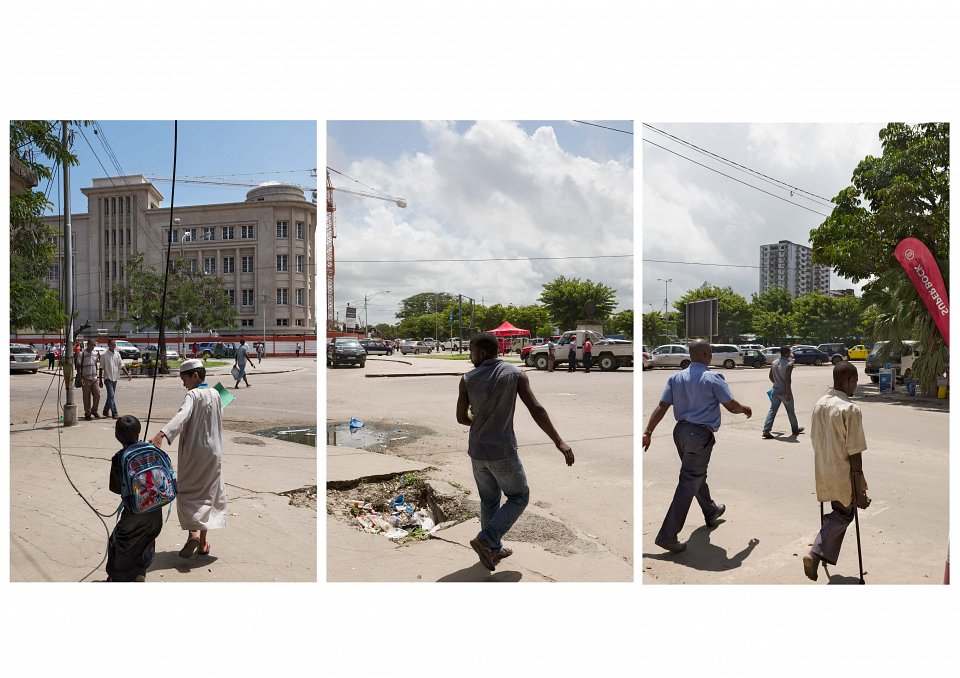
345,351
377,346
217,349
837,352
805,355
753,358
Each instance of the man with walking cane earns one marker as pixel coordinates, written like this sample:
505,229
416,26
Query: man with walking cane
838,441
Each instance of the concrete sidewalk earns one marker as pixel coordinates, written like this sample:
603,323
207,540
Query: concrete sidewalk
55,536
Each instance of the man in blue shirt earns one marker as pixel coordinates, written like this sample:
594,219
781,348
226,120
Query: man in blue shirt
696,394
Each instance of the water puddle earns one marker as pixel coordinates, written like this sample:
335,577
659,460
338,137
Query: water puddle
305,435
366,437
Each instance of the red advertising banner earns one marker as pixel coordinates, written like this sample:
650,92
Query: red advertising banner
924,273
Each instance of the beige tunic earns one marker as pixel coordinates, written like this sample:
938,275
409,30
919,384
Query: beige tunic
836,432
201,497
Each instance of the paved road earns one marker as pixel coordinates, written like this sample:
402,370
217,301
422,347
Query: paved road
768,487
592,499
54,536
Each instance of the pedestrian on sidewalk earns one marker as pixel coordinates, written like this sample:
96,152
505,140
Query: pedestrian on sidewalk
88,367
132,544
111,365
487,401
696,394
51,356
572,354
551,355
298,350
781,376
260,351
201,497
587,350
240,364
836,431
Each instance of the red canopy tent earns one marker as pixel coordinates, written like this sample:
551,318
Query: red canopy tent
508,330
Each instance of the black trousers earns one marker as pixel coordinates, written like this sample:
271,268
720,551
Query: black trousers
694,445
132,545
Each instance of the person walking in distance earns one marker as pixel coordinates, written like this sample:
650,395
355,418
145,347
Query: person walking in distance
587,350
572,354
240,362
696,395
486,403
298,350
781,375
836,432
88,367
551,355
111,365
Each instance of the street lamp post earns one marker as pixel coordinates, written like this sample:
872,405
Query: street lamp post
665,281
366,315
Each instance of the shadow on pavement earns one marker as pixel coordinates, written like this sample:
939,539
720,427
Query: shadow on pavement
171,560
839,578
704,556
478,572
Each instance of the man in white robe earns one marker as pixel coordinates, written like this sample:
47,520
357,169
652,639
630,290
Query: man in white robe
201,497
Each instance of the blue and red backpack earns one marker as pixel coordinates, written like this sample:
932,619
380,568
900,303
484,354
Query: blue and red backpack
147,479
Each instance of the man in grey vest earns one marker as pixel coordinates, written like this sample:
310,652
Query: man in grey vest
781,375
488,398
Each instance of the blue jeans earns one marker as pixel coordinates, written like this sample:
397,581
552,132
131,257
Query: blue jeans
111,404
494,476
772,414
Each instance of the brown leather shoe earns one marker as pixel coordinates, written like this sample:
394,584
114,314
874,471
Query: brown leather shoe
766,435
811,563
485,552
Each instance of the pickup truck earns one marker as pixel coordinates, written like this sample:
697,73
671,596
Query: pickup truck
607,354
454,344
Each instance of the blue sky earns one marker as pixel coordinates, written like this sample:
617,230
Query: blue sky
204,148
480,190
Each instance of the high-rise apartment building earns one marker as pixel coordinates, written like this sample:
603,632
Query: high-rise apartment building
790,266
262,248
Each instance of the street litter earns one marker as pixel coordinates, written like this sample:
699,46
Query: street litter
356,423
403,520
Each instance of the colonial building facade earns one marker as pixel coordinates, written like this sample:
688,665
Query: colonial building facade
790,266
262,248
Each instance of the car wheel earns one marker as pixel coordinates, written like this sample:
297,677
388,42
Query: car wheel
416,351
875,380
836,359
684,364
540,362
34,372
362,363
759,364
389,352
817,362
608,363
729,364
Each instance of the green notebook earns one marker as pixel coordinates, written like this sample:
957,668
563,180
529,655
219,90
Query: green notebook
225,396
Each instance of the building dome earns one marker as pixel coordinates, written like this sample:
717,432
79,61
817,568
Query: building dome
272,190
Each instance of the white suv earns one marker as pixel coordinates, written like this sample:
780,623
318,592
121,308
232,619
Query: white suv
726,355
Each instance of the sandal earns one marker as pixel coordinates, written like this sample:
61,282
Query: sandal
204,551
190,547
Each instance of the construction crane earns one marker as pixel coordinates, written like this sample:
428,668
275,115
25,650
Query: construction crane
332,233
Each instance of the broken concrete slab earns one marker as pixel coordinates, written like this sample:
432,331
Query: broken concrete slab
346,466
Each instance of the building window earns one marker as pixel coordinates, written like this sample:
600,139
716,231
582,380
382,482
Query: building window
247,232
282,296
54,271
129,241
232,296
192,265
106,238
228,266
298,263
246,297
128,204
113,269
281,229
299,322
246,264
283,322
209,233
106,206
246,322
299,296
189,235
227,233
299,230
209,265
281,263
174,235
121,237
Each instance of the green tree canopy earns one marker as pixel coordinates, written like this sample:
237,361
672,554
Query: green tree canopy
621,323
817,317
564,299
37,146
733,310
424,303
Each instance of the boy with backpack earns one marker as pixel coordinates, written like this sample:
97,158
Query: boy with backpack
142,475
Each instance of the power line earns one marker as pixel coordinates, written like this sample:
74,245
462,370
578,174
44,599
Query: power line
727,161
697,263
739,181
420,261
612,129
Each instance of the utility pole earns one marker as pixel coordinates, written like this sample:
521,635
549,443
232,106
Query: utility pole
460,320
665,283
66,355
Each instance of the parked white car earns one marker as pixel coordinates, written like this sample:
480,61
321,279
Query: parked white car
726,355
670,355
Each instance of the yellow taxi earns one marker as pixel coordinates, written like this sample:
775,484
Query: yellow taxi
858,352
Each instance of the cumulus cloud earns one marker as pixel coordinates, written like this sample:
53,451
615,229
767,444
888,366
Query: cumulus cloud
490,189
